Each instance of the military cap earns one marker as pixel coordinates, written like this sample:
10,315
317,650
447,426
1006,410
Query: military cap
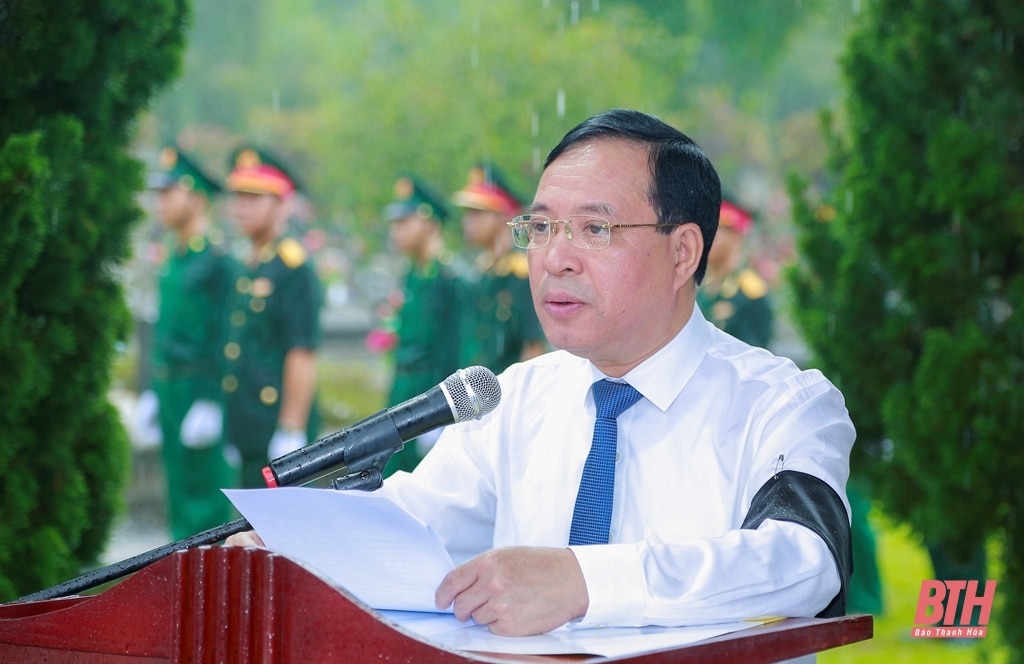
487,189
175,168
413,196
257,171
733,216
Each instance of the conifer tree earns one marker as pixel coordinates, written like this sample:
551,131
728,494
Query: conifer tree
73,78
911,288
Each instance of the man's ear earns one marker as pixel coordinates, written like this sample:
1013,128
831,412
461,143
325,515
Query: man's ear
688,243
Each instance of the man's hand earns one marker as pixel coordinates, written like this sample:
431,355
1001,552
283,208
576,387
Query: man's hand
285,441
203,424
144,426
246,538
517,591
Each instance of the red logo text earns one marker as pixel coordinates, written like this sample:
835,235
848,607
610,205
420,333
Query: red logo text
938,604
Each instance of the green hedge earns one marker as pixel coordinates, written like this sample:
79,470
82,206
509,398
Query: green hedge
73,78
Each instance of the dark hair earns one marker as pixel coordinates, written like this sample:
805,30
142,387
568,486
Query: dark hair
684,184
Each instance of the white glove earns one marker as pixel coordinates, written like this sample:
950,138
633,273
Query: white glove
144,427
285,441
202,425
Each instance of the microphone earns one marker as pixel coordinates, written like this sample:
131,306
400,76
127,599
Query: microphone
366,446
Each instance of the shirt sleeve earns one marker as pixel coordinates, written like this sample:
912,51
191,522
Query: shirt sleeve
780,569
301,308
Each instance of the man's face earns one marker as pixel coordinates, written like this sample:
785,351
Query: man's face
257,215
724,250
175,206
409,234
618,305
481,227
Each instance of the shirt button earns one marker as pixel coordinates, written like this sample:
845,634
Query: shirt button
268,395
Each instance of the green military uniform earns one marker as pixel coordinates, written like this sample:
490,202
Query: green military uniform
740,306
427,324
427,349
498,314
499,321
274,307
187,339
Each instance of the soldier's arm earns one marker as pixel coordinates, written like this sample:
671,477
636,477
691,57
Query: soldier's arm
297,389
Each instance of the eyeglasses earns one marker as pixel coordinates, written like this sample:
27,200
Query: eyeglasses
532,231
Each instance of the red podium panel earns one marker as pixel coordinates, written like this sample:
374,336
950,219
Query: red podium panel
233,604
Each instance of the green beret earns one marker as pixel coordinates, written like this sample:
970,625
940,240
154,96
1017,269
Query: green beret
176,168
413,196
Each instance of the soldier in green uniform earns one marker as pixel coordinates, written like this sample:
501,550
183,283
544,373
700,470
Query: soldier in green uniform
273,328
733,296
499,324
427,322
187,340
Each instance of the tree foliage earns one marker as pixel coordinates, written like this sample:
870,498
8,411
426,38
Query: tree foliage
73,77
912,290
355,92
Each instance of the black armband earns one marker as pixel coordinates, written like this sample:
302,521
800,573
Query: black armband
805,499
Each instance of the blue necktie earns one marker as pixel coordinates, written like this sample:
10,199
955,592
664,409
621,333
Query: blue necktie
592,517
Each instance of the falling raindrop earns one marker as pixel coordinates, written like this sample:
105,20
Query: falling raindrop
574,12
474,52
849,201
561,103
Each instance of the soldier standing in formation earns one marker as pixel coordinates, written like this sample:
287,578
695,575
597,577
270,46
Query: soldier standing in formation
427,349
187,340
273,329
734,296
500,325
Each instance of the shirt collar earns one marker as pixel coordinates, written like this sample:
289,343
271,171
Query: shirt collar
661,377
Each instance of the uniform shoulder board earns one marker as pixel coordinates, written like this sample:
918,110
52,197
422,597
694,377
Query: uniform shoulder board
291,252
514,262
752,285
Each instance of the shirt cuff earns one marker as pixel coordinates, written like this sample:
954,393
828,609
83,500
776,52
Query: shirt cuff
615,582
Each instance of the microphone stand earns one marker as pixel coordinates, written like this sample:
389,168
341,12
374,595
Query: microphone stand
364,480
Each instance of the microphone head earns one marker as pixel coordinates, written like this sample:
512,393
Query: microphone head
472,392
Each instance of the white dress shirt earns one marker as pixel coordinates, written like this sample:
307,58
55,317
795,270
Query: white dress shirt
717,420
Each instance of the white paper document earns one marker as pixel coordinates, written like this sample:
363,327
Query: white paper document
388,559
447,632
360,541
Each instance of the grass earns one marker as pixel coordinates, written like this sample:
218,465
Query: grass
904,563
350,391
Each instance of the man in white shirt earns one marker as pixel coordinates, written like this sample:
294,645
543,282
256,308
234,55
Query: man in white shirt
728,498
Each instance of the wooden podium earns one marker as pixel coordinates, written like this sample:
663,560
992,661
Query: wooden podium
233,604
